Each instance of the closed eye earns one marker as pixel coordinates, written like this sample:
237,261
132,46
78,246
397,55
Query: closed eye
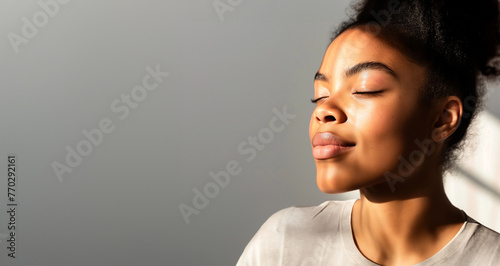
367,92
315,100
356,92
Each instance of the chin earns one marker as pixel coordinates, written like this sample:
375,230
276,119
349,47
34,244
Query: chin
336,177
335,184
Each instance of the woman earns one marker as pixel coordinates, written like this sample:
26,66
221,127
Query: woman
396,91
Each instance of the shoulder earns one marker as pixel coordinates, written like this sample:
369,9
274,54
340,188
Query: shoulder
487,237
483,245
289,227
305,217
483,233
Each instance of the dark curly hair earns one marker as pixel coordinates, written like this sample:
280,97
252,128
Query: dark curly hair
456,40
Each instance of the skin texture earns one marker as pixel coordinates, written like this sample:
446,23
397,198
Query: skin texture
403,215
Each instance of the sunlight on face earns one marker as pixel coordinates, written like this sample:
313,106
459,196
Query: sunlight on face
369,103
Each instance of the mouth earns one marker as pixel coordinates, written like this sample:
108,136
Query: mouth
328,145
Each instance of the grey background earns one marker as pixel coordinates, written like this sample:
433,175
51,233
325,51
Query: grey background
120,205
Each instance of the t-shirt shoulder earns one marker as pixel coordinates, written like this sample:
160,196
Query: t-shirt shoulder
484,245
305,217
265,245
475,244
288,226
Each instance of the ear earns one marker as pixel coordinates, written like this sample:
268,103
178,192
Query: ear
449,115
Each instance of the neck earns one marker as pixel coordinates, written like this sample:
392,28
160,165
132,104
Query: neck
407,224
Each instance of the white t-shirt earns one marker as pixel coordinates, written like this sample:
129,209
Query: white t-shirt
321,235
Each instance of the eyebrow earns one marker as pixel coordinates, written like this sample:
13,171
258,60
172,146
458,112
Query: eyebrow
353,70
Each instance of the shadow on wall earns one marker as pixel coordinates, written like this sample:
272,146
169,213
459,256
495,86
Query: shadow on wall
475,186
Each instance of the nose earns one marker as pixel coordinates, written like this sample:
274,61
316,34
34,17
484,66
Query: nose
328,113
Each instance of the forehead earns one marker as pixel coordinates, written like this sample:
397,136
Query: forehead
356,46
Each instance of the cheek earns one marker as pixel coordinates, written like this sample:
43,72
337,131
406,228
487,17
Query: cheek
381,136
375,121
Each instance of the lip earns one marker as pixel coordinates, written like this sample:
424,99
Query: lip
328,145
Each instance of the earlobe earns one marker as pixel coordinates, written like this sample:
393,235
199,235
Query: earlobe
450,115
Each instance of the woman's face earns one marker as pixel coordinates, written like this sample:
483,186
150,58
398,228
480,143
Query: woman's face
369,110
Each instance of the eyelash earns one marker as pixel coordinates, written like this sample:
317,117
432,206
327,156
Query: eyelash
315,100
367,92
356,92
